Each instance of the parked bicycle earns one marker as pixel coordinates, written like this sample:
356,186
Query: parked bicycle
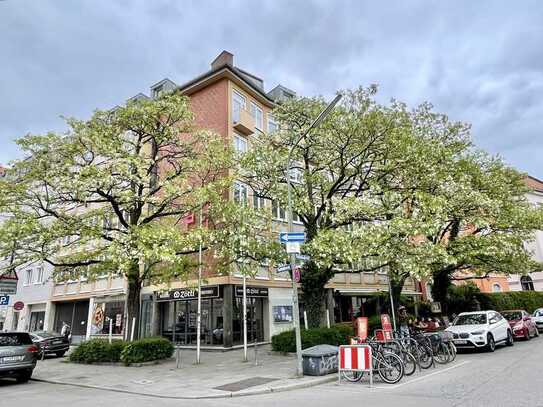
388,365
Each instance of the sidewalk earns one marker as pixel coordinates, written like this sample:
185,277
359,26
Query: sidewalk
220,374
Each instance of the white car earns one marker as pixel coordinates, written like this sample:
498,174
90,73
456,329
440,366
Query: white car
537,317
481,329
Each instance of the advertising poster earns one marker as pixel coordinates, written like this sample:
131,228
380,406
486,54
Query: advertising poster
97,323
282,313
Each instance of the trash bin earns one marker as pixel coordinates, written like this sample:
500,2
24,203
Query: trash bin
320,360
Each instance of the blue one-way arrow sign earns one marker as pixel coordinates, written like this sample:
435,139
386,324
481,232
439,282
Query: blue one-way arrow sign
292,237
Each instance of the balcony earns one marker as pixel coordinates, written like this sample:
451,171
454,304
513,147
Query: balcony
243,121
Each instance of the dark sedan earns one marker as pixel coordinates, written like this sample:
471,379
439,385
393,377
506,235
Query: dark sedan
50,343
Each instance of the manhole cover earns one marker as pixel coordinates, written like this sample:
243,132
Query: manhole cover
245,384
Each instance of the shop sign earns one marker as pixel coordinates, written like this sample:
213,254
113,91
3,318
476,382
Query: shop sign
435,307
8,283
386,323
186,294
261,292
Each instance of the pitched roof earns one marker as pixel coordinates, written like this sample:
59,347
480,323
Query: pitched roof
534,183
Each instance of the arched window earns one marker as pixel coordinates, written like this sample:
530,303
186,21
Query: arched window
527,283
496,288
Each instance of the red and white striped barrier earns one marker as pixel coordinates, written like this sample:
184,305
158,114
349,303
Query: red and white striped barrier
355,358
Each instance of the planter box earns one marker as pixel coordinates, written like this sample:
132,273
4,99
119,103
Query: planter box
320,360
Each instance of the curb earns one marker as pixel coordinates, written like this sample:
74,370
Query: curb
267,390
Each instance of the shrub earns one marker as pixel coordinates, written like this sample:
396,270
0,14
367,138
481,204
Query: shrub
526,300
98,350
336,335
146,350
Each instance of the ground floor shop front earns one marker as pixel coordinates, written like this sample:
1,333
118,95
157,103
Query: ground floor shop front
268,311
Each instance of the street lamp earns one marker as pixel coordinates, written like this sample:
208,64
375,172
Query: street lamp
296,310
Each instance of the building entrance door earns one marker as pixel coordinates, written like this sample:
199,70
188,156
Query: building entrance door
75,314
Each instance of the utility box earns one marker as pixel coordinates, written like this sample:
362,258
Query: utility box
320,360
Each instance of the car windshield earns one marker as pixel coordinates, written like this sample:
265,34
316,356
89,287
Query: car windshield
512,316
470,319
538,313
14,339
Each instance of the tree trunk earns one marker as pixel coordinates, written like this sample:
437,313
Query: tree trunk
314,294
133,300
440,285
396,286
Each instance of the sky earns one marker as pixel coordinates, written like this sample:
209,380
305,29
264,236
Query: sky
477,61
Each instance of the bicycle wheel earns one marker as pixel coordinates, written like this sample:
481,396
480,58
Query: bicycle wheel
409,363
426,358
452,351
390,368
352,376
443,355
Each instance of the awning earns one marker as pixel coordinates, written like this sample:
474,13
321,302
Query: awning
369,291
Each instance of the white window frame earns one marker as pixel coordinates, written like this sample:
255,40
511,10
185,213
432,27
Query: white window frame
242,101
40,275
277,210
242,189
28,277
273,123
258,116
238,142
259,202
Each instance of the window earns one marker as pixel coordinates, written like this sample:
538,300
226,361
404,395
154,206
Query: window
278,212
259,202
258,115
527,283
296,218
28,277
240,192
39,276
238,102
159,90
296,175
272,125
240,145
496,288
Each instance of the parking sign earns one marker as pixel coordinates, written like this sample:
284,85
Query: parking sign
4,299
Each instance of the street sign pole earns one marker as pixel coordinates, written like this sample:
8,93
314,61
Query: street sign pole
199,312
292,256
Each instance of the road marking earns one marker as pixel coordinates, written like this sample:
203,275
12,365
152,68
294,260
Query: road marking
395,386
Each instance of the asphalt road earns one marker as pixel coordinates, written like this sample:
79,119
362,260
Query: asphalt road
509,377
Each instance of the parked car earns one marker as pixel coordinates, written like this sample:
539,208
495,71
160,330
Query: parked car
18,355
521,323
51,343
537,317
481,330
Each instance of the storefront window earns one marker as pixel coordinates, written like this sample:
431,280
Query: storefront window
105,314
179,321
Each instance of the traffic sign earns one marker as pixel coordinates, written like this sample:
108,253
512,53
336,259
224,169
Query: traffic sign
4,299
303,257
292,237
293,248
283,268
18,306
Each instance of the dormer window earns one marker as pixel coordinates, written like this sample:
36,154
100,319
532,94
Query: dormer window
159,90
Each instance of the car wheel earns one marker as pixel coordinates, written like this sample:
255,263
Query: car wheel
60,354
510,340
24,376
490,343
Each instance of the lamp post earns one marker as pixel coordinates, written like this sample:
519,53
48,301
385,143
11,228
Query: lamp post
296,310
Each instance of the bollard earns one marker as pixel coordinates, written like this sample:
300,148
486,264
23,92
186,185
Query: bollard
177,357
256,355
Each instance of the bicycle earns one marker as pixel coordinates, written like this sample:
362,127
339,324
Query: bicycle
388,365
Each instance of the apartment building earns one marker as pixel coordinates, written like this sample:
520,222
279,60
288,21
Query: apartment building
234,103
